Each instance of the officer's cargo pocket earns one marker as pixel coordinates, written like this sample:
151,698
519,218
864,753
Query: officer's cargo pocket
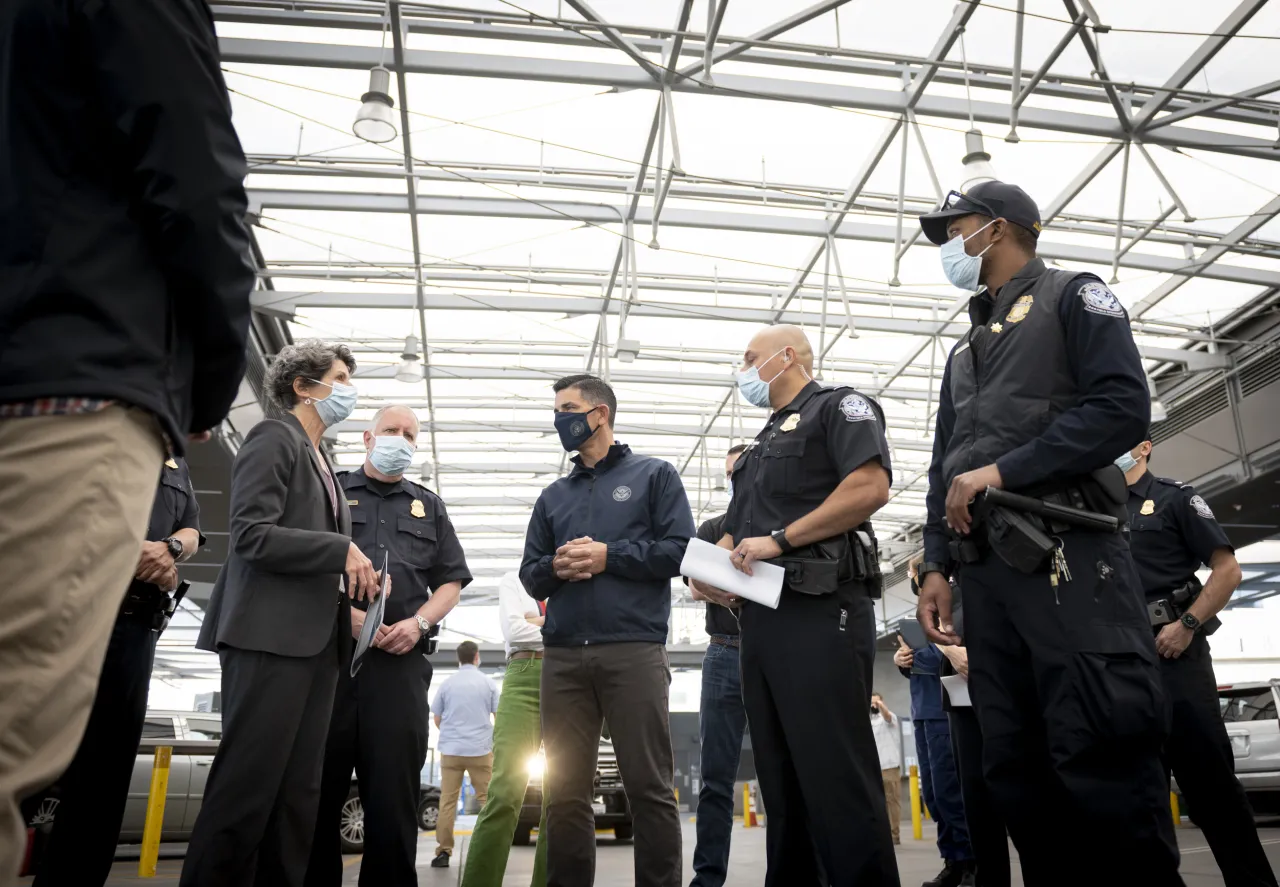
422,544
780,468
1114,683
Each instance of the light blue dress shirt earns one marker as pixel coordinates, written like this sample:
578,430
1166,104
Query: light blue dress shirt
464,703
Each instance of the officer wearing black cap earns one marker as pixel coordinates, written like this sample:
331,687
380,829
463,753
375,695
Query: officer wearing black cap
379,722
1036,399
804,494
93,792
1172,532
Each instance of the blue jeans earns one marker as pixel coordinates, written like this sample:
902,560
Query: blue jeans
722,721
940,788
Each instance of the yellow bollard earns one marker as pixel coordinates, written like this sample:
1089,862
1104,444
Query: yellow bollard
155,812
746,805
917,829
1173,807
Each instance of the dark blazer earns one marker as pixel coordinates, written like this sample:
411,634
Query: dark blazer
278,590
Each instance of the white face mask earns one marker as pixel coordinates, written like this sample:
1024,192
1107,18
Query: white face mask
963,270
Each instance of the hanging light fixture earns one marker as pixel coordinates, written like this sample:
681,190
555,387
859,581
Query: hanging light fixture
410,369
1158,410
976,163
374,121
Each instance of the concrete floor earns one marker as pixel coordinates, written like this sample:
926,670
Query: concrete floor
917,860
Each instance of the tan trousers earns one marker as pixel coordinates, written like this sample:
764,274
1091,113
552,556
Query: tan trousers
75,497
893,798
451,769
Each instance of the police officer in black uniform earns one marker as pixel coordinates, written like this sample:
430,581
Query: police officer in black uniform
379,724
1036,399
93,791
804,494
1172,532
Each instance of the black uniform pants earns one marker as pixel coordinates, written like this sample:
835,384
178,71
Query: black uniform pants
93,792
379,730
987,834
1067,690
259,811
1199,754
806,668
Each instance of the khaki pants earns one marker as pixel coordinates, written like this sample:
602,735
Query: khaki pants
893,799
451,770
75,496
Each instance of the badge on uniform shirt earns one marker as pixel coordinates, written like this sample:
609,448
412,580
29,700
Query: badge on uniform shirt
856,408
997,327
1148,507
416,509
1020,309
1100,300
790,423
1202,507
171,463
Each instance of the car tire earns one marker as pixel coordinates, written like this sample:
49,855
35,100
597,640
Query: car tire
522,837
624,832
351,824
428,814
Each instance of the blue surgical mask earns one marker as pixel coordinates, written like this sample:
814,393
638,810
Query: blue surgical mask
962,269
575,429
754,389
337,407
391,454
1127,463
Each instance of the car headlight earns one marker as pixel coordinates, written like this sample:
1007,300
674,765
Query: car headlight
537,766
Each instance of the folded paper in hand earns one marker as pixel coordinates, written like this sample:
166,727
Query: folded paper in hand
957,687
710,564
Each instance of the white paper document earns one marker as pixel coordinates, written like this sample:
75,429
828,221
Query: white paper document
710,564
957,687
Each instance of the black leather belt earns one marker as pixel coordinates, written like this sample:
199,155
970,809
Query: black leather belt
724,640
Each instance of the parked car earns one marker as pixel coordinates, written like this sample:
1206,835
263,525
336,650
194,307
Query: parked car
609,803
1249,711
194,736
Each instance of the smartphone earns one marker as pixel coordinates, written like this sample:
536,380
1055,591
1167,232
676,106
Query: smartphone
913,634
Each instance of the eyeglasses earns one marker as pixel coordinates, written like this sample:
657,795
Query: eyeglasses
956,200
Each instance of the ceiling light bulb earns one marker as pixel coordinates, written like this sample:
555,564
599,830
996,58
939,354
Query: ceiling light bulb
1158,410
374,121
976,162
410,369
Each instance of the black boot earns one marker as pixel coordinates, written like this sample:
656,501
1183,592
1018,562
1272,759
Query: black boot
953,874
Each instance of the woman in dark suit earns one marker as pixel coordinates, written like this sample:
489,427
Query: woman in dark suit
280,623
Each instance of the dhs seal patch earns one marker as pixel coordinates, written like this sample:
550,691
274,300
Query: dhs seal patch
578,428
1100,300
621,494
1202,507
856,408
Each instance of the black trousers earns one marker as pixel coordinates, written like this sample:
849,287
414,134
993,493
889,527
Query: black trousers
1199,754
258,817
379,730
93,792
987,834
1066,687
806,668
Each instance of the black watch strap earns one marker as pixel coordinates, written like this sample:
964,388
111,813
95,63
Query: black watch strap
1190,621
930,567
176,548
780,536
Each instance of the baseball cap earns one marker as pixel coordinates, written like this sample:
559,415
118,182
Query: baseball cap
995,200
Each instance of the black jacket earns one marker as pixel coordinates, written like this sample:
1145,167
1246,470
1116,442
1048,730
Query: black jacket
278,590
124,260
637,506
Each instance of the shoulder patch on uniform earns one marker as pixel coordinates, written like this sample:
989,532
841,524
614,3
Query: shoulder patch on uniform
1202,507
1100,300
856,408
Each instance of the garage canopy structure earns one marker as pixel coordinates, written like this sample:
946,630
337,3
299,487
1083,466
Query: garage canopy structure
629,189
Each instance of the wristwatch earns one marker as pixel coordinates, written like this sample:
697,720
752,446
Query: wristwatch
780,536
176,548
928,567
1190,621
423,625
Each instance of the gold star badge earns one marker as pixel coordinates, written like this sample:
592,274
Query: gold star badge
416,509
1148,507
997,327
171,463
790,423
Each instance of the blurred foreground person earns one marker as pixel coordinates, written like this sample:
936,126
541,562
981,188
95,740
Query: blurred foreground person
281,625
804,494
888,733
1026,507
1172,533
379,723
124,305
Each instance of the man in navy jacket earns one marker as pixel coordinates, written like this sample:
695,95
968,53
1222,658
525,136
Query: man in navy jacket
602,548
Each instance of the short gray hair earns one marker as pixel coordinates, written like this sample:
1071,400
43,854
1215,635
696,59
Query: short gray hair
308,359
377,417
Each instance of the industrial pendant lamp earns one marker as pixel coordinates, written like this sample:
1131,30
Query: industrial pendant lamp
410,369
1159,412
976,163
374,121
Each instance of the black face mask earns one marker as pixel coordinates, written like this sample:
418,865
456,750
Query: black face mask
575,429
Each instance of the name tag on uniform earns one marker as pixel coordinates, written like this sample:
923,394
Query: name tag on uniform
1148,507
353,501
416,509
